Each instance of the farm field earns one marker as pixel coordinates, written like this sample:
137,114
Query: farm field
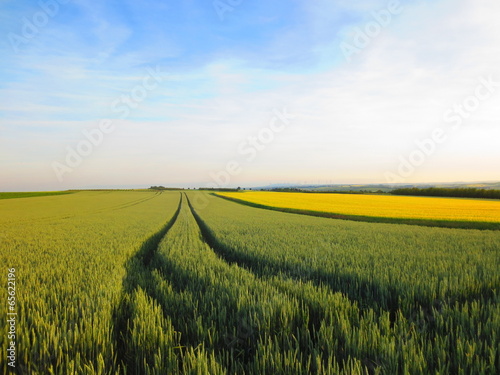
33,194
190,283
69,254
433,211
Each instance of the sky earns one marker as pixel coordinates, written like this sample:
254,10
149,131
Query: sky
247,93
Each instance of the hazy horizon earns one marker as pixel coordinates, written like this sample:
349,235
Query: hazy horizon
248,93
252,186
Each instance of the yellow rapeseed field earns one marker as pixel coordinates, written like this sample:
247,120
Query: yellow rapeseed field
387,206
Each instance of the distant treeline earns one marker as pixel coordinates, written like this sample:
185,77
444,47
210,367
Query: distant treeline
297,190
287,190
219,189
450,192
344,191
163,188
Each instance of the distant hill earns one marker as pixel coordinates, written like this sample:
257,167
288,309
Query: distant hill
381,188
477,185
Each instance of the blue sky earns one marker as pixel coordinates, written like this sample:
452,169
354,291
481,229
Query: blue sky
222,73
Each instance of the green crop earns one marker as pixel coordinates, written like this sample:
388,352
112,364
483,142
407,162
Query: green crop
31,195
427,297
175,283
69,253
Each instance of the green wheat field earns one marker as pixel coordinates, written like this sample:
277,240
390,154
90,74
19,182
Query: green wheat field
184,282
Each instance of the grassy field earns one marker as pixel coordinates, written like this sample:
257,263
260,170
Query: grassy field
467,213
69,253
33,194
420,295
189,283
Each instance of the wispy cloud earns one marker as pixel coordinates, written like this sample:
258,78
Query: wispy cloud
223,79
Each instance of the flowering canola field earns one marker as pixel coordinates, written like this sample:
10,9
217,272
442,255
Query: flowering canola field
402,207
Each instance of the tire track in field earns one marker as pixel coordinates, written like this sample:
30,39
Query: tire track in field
134,203
241,345
149,270
184,282
138,266
149,266
122,205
